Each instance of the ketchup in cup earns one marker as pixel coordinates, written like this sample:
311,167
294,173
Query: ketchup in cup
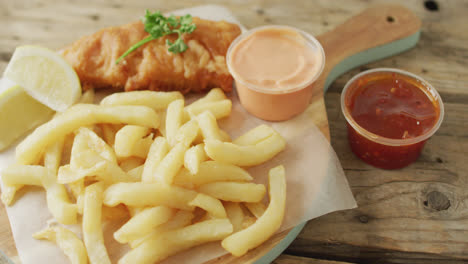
390,113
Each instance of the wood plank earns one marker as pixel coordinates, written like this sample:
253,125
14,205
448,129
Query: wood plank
367,255
290,259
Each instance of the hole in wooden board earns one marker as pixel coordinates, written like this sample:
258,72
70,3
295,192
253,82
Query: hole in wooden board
390,19
363,219
437,201
431,5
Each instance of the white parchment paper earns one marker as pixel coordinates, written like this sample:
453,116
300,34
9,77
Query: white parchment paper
316,184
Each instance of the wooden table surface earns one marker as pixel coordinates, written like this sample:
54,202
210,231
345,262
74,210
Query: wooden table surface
418,214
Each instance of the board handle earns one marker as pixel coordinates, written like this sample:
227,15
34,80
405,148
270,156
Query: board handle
378,32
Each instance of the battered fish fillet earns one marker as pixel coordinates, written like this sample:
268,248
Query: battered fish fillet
201,67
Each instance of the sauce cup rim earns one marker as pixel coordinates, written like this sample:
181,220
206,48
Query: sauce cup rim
391,141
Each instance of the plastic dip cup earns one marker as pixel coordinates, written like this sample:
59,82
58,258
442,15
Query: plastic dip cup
287,75
390,115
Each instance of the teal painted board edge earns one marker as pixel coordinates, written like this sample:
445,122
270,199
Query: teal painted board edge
371,55
282,245
4,259
347,64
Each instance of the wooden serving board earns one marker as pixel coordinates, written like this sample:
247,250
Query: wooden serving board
375,33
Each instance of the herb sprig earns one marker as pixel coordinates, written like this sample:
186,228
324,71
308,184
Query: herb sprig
157,25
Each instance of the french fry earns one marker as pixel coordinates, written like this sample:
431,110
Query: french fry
219,109
142,146
131,163
133,210
91,164
169,243
248,221
254,136
53,156
113,173
88,139
77,189
174,120
241,242
235,214
92,230
114,213
257,209
193,157
80,203
187,132
234,191
181,218
212,205
67,147
171,164
143,223
148,194
136,173
79,144
87,97
8,193
58,201
88,154
67,241
208,126
126,138
156,154
155,100
68,176
30,150
213,95
24,175
211,171
224,136
245,155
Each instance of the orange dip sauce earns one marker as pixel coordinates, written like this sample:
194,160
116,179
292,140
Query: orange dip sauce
274,59
274,68
394,106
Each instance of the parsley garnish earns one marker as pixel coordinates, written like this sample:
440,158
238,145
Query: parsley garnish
158,26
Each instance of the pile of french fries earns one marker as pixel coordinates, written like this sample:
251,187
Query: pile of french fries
166,167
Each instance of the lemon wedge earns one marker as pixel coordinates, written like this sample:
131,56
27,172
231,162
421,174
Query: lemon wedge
45,76
19,113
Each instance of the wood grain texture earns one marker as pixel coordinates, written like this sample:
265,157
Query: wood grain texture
417,214
289,259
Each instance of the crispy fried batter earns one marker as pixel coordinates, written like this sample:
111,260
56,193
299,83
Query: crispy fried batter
201,67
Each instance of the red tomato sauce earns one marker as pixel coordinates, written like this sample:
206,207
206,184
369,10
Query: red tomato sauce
393,106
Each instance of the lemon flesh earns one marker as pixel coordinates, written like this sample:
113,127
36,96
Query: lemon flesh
45,76
19,113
